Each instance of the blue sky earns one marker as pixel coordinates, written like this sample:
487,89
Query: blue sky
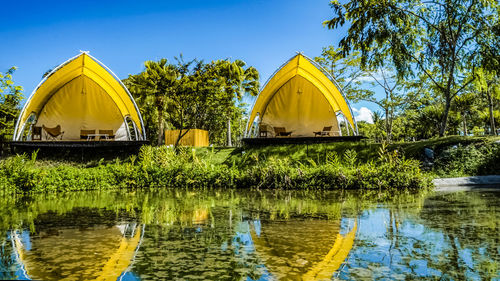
38,35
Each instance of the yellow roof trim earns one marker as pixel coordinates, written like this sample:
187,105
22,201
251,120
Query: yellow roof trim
302,66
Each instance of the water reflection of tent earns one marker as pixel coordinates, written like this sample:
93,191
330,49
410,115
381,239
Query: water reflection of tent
303,99
80,95
307,250
99,253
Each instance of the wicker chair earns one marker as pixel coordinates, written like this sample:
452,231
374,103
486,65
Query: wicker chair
53,133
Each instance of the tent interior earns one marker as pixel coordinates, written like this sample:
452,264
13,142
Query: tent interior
300,100
80,100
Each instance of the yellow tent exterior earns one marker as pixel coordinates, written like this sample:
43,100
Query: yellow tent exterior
302,98
82,94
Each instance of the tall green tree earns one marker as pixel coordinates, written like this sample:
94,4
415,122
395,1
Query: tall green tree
10,98
358,81
193,94
442,39
236,81
488,84
152,89
464,104
217,88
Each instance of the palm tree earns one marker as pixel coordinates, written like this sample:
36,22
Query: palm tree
153,86
236,81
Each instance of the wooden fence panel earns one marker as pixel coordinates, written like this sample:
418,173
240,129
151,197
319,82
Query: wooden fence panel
195,137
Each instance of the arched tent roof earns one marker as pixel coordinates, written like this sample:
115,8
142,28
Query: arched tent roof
323,99
81,74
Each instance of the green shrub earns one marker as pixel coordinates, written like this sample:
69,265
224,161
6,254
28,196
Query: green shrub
466,160
164,167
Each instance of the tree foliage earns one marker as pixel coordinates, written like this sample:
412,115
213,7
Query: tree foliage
444,40
358,82
192,94
10,98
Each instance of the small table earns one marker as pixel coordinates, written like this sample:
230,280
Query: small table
89,136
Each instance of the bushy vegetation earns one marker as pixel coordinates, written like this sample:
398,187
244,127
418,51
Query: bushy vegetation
10,99
453,155
468,160
164,167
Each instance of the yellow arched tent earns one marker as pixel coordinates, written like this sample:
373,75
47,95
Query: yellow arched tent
82,94
302,98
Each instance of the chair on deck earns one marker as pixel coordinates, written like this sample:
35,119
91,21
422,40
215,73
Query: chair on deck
36,133
53,133
109,134
84,134
281,132
263,131
325,132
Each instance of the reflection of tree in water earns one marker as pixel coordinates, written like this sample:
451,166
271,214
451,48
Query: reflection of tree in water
200,233
8,266
206,250
451,236
470,227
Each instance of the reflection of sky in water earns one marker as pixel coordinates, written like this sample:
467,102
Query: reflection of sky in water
17,266
381,252
389,244
128,276
243,242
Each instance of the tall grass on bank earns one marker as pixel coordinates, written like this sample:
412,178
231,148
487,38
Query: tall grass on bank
162,167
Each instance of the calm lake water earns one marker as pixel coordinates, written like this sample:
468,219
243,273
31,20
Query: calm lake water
251,235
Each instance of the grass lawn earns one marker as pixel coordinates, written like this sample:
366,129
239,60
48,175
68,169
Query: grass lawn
366,151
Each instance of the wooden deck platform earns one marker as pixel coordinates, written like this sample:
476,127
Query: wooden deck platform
299,140
77,144
79,150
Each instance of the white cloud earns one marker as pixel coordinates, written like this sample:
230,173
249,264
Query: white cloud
378,75
363,114
368,79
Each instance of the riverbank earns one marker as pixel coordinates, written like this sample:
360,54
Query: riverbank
162,167
358,165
